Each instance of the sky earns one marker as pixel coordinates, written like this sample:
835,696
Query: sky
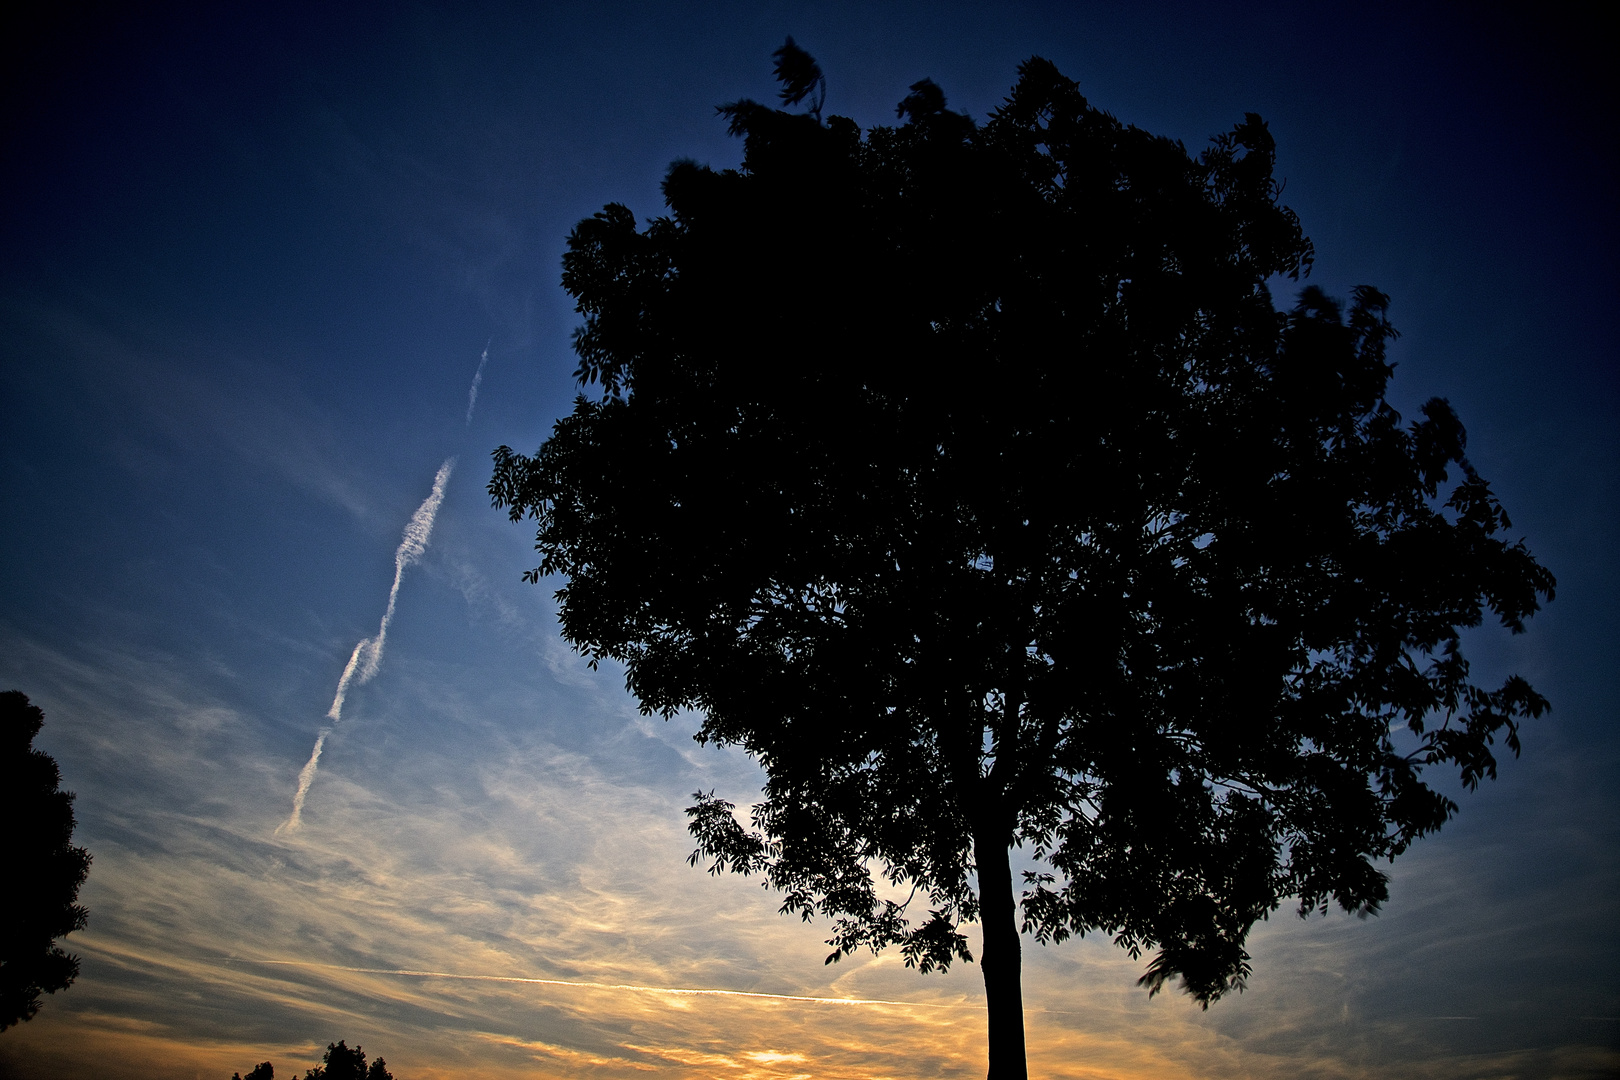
275,280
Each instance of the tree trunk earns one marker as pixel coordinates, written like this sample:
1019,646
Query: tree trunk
1000,958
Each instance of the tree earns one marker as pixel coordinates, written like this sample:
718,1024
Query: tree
969,479
44,868
341,1062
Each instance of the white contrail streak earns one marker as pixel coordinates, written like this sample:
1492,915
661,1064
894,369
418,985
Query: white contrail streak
679,991
411,547
335,713
306,777
478,377
367,655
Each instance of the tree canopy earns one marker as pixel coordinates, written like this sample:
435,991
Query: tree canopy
340,1062
43,868
969,478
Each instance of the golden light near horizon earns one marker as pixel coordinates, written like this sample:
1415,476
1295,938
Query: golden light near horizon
435,939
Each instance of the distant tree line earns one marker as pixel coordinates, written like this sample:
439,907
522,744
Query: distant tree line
340,1062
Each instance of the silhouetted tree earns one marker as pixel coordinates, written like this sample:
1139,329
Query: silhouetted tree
42,867
342,1062
968,478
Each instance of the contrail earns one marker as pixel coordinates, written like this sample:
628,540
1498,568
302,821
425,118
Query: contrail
306,777
679,991
411,546
367,655
478,377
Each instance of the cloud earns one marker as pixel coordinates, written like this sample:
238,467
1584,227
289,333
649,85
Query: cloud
366,658
411,546
673,991
306,775
478,377
191,400
525,831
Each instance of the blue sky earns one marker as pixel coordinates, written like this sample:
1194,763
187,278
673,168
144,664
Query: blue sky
251,262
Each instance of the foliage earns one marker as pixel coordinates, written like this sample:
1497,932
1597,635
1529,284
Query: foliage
342,1062
43,866
969,479
800,77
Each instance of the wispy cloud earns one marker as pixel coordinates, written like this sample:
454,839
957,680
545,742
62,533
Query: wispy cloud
194,397
675,991
411,546
478,377
544,856
366,658
306,775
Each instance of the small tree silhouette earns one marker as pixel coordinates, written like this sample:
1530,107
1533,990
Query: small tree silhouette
43,867
340,1062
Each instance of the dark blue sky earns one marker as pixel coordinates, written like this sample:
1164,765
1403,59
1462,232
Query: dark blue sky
250,263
